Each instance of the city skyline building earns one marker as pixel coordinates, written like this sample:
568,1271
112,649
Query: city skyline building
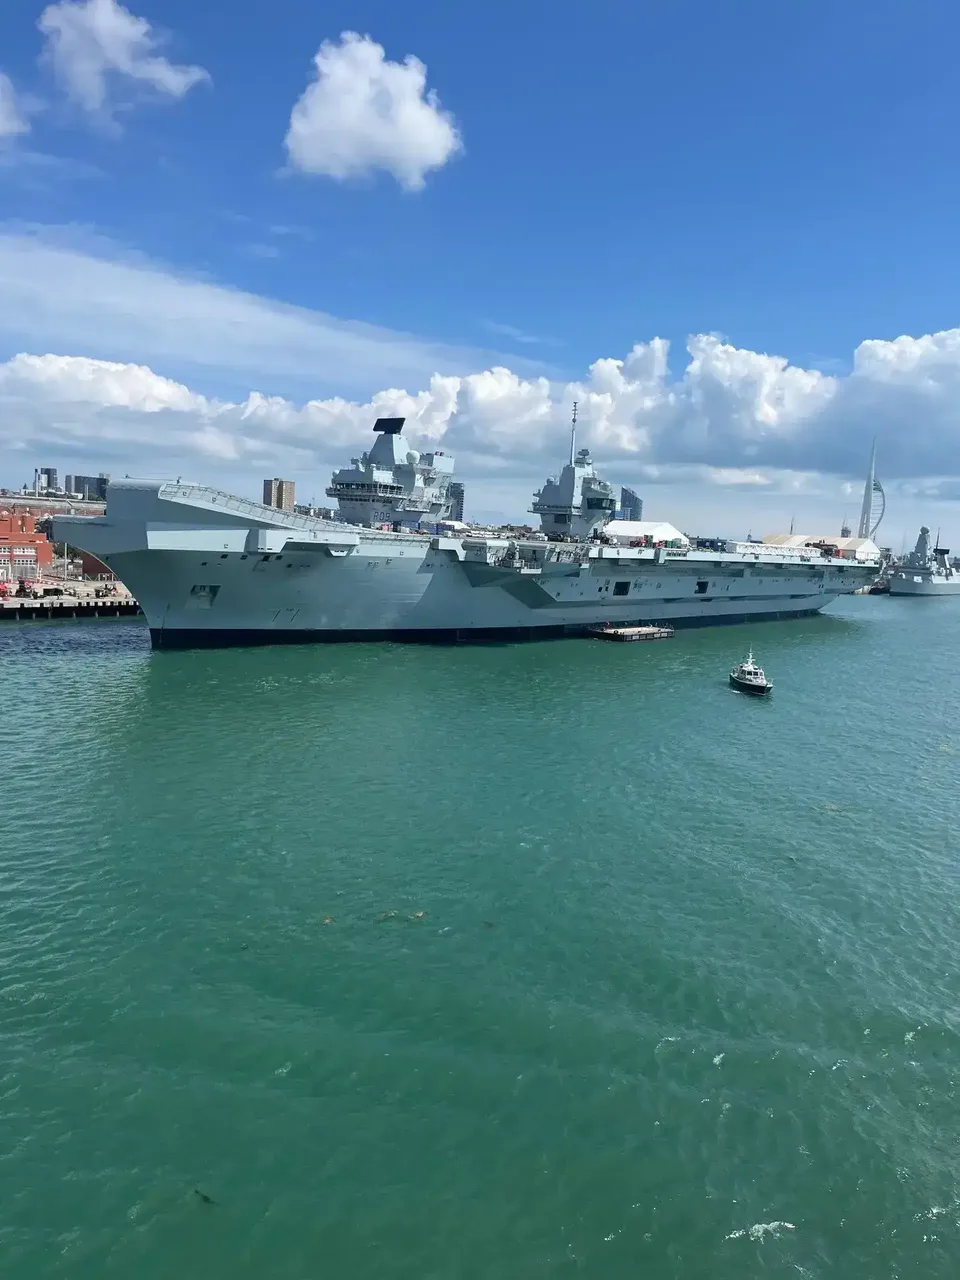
631,505
90,488
279,494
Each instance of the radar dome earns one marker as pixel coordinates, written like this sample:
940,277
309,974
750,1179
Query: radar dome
413,457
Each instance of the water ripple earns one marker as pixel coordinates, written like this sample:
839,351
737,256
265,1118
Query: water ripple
534,960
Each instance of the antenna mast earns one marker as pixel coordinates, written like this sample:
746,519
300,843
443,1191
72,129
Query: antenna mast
573,433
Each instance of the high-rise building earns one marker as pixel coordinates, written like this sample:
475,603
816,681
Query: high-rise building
278,493
631,507
48,479
91,488
456,500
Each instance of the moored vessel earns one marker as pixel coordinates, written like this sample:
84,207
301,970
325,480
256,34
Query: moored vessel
926,571
210,568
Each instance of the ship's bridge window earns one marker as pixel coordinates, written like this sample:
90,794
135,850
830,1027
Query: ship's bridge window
621,588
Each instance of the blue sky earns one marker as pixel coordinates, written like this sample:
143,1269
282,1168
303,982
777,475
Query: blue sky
784,176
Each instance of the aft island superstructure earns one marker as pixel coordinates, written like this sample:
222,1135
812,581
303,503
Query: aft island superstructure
211,569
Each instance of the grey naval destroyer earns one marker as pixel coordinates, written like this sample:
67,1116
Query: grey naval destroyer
926,571
213,569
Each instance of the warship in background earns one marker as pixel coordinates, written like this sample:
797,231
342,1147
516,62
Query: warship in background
926,571
210,568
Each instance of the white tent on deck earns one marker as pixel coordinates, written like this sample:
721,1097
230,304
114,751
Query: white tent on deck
635,530
847,548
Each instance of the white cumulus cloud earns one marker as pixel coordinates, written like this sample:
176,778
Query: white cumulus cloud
363,113
737,417
140,368
12,119
105,384
760,434
98,46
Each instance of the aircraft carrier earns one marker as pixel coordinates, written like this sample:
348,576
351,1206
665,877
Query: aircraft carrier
212,569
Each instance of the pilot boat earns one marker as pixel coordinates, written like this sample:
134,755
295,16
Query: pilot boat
749,678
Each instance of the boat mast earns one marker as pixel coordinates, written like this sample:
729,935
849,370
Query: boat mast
573,434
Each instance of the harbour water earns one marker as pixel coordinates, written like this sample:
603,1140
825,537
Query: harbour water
501,962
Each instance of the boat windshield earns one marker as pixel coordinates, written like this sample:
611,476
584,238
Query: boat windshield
750,672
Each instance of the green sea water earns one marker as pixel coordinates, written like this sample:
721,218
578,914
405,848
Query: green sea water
482,963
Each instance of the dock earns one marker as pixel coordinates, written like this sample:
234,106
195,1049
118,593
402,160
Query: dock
632,633
35,610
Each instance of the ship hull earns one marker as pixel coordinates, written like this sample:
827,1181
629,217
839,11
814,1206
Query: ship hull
218,638
745,686
910,586
428,597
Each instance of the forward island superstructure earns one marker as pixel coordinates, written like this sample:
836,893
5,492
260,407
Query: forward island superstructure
210,568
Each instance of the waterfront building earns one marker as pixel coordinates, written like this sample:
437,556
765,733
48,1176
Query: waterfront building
24,551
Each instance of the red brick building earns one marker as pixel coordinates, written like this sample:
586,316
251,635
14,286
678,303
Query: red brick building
24,552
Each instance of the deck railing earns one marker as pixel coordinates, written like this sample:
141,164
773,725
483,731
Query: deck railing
246,507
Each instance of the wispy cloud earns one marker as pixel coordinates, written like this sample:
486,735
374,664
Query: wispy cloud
13,119
98,50
38,171
265,252
69,289
518,335
283,231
